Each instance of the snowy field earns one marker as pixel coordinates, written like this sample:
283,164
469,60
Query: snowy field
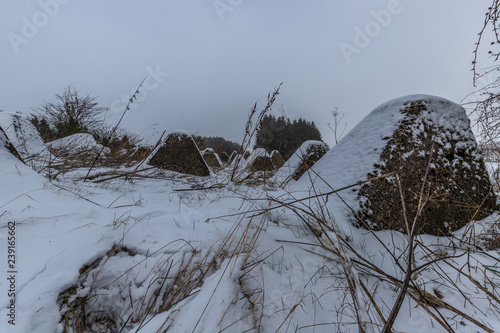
166,252
140,249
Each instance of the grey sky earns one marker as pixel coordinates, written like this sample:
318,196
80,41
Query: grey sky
213,59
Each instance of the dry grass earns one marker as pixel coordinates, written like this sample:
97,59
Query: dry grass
180,269
361,303
355,264
253,123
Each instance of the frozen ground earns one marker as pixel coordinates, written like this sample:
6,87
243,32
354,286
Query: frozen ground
119,244
163,252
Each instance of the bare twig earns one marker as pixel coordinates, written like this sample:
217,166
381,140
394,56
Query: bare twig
252,128
130,101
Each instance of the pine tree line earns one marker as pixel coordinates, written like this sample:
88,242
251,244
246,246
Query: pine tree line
284,135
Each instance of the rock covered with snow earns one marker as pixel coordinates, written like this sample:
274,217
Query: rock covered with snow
301,160
180,153
26,139
211,158
422,139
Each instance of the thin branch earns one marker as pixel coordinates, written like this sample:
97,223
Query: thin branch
130,101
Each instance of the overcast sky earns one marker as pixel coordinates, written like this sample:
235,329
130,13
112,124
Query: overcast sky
209,61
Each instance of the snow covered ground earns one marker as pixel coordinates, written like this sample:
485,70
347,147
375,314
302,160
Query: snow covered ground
118,243
167,252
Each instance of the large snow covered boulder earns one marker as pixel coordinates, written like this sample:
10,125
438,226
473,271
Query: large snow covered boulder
301,160
428,142
26,139
180,153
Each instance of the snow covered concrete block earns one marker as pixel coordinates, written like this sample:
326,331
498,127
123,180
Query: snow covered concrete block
301,160
6,145
427,141
308,153
232,156
259,160
180,153
211,158
432,146
277,159
224,157
26,139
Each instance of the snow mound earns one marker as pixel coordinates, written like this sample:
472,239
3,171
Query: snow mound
407,136
76,144
221,293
